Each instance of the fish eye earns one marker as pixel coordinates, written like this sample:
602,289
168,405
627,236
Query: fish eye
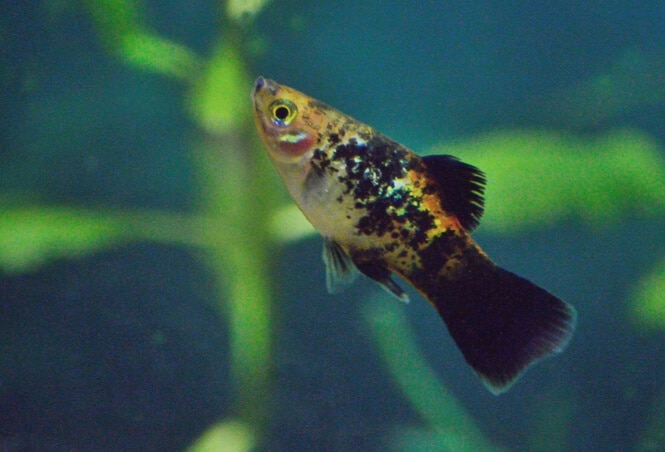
283,112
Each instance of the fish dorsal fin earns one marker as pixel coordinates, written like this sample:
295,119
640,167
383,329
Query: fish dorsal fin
340,269
462,187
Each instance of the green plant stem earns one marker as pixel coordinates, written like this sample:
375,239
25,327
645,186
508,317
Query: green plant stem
431,400
236,195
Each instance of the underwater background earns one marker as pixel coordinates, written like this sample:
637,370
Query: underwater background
159,290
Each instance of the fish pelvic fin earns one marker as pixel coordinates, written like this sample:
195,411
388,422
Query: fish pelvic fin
340,268
501,322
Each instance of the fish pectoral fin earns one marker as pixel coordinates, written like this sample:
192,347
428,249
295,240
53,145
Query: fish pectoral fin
340,269
382,276
462,188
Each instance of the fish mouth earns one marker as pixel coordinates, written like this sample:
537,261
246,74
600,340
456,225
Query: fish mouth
258,84
262,82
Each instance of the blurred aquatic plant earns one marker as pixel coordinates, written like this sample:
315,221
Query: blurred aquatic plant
539,178
30,236
649,299
229,221
244,9
225,437
448,426
124,34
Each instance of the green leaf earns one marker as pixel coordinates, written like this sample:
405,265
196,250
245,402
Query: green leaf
29,237
449,426
540,178
154,53
219,100
226,436
242,10
649,299
124,34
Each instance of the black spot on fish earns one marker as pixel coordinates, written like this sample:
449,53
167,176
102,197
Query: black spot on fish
378,220
422,222
315,104
371,171
372,167
374,256
319,162
365,136
440,250
443,254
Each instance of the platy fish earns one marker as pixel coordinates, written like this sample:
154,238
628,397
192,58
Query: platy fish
383,211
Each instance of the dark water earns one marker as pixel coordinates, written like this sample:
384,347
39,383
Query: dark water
127,346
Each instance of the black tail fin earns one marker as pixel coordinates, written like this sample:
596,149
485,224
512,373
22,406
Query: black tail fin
502,323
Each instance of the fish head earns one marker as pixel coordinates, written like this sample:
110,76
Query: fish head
286,121
298,132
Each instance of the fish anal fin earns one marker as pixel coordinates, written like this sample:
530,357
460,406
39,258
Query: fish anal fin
382,276
340,269
462,187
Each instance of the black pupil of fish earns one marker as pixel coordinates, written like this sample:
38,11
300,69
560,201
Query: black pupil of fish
281,113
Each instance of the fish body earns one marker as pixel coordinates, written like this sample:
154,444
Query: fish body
384,211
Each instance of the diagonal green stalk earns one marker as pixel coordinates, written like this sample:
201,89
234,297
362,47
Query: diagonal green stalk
418,382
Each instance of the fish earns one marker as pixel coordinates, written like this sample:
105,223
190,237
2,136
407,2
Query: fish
384,211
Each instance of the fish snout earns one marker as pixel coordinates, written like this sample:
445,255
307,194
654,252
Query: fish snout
268,84
258,84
